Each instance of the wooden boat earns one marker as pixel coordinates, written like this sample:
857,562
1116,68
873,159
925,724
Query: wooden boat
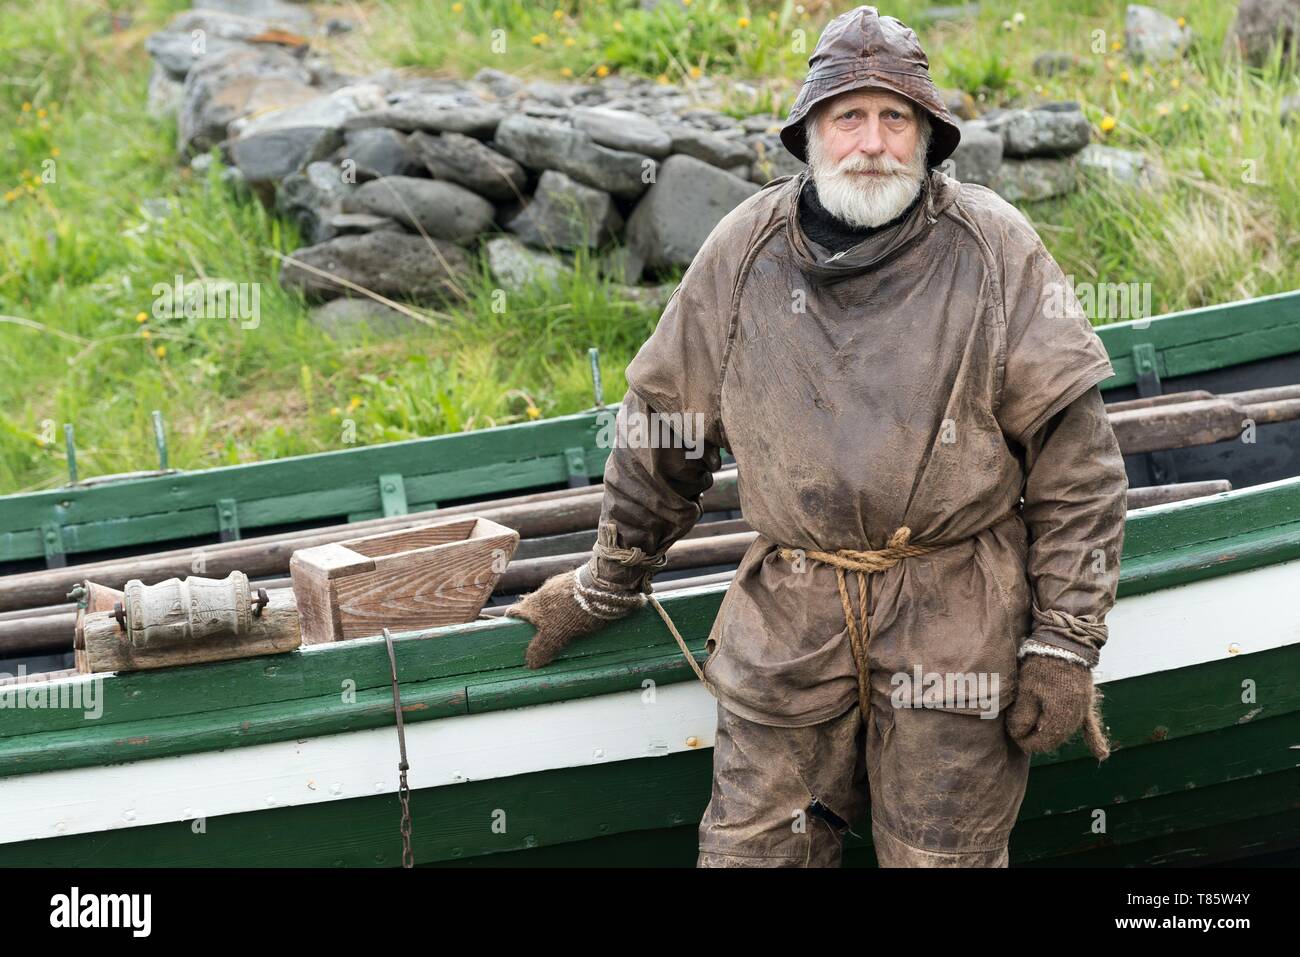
605,757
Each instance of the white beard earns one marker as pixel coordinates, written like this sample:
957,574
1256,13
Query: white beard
866,200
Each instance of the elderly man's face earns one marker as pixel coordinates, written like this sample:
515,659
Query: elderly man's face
869,123
867,150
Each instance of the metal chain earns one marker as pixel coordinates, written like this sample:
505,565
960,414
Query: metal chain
403,790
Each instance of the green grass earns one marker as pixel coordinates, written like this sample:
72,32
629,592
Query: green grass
79,257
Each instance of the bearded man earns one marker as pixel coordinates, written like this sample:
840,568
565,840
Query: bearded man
924,452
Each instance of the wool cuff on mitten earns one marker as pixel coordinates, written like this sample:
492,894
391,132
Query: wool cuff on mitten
1033,647
602,599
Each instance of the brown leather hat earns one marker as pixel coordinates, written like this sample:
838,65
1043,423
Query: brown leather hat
860,49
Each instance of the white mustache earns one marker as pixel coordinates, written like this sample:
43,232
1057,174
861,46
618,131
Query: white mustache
870,164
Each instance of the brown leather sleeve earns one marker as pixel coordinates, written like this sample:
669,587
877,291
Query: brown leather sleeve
1075,504
654,478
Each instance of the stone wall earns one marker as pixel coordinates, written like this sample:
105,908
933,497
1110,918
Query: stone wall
377,168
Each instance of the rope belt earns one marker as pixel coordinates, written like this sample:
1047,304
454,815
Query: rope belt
863,564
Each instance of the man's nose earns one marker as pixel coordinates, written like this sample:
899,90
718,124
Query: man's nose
870,142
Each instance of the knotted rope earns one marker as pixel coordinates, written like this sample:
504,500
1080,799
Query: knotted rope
862,563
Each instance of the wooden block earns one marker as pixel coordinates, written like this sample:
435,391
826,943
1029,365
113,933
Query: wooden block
440,573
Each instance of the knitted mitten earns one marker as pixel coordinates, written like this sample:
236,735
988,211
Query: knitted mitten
568,606
1055,697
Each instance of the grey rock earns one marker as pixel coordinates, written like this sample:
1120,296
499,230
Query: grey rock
345,320
1034,179
542,145
1290,108
165,92
758,124
177,54
1042,132
688,199
710,147
276,11
1260,25
330,111
443,210
1151,35
347,224
228,26
312,197
395,265
220,89
1126,167
978,155
499,84
433,113
707,119
622,130
623,264
273,155
378,151
563,95
464,160
961,11
959,103
772,159
565,214
514,266
1054,62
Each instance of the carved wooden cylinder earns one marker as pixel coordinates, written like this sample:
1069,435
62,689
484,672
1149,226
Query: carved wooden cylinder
180,611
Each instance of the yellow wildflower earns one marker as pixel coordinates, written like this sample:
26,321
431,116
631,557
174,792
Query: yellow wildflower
141,317
533,411
602,71
336,410
661,79
354,402
161,352
565,71
558,15
1124,76
569,41
27,107
743,22
146,334
1182,21
539,38
695,72
1175,83
457,7
1184,108
618,26
54,151
1107,123
41,114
